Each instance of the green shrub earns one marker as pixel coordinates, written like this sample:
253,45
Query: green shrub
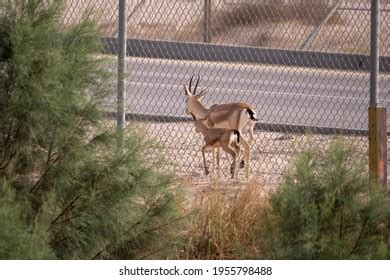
65,191
18,239
327,209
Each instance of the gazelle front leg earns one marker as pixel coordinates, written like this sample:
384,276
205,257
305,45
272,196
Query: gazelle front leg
236,148
213,163
217,154
206,170
216,163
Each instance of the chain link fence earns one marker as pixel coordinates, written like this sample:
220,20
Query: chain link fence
312,86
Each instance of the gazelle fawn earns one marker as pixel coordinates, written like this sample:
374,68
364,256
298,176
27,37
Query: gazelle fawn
227,139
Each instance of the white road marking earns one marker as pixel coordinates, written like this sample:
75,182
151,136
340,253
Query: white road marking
253,92
275,82
238,65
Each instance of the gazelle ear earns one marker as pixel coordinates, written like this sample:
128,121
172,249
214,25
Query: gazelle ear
186,91
202,93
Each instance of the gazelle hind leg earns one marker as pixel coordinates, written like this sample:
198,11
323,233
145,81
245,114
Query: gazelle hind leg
246,151
244,125
251,126
233,165
236,148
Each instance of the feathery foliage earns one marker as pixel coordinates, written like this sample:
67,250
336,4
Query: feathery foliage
65,191
327,209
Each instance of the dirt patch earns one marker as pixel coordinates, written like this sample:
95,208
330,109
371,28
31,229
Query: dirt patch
271,152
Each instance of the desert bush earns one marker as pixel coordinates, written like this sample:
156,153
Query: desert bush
65,190
224,224
327,209
20,240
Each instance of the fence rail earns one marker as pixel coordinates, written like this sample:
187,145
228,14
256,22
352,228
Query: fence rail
240,54
259,126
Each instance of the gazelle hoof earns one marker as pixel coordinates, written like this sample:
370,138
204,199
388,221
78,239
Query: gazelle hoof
207,172
242,164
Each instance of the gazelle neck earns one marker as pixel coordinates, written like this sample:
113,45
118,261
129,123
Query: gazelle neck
199,110
201,127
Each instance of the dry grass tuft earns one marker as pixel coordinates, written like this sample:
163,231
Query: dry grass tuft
225,223
260,13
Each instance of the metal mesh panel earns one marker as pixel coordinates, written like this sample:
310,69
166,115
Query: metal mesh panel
302,63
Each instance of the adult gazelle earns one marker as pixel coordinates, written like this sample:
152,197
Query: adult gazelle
240,116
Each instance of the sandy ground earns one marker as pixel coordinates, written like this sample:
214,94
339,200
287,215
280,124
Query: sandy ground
272,153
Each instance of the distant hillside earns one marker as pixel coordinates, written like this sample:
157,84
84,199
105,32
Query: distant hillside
282,24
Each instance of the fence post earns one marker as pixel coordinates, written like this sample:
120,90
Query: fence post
376,114
206,21
121,94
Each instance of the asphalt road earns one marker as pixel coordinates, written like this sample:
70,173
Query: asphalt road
281,95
